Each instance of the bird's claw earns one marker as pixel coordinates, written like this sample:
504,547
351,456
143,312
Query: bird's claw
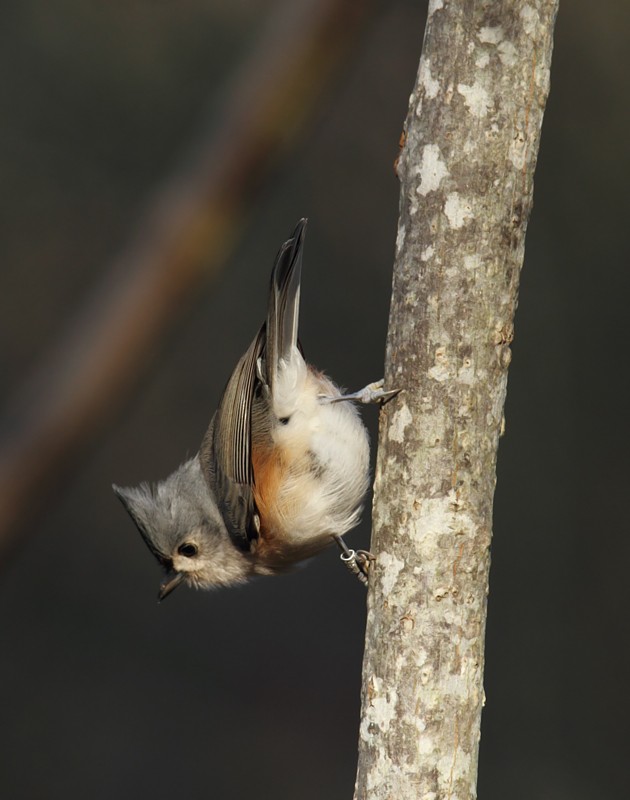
357,561
372,393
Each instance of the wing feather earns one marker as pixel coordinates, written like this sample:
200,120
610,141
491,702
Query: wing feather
226,452
232,429
284,303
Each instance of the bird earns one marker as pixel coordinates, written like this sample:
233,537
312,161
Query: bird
281,472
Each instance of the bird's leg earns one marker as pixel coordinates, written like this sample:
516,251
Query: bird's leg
372,393
357,561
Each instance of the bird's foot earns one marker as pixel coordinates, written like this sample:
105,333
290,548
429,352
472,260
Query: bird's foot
372,393
357,561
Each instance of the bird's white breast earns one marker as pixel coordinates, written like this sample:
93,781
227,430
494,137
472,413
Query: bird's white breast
324,449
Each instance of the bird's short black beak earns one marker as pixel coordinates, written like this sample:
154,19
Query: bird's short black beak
170,582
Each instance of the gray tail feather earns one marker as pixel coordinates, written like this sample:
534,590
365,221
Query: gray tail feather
284,301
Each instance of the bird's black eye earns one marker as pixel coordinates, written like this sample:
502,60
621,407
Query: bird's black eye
283,420
187,549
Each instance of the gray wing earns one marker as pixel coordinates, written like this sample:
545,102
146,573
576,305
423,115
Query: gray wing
225,453
232,429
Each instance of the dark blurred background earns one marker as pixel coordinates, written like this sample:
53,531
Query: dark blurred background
256,690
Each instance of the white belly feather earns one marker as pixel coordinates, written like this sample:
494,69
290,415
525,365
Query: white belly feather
327,448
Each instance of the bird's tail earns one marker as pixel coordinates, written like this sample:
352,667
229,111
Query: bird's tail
284,303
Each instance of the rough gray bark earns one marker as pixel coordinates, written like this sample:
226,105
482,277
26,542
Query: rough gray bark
466,169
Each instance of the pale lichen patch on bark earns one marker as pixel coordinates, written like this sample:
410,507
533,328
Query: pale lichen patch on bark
432,169
491,34
400,421
390,567
428,86
381,710
427,253
517,152
420,657
428,82
467,374
482,60
476,98
472,261
458,210
447,513
507,53
440,371
400,237
426,744
530,19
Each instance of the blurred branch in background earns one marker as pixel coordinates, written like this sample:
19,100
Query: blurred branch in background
186,236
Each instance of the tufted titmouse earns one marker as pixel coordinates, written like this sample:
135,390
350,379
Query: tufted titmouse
281,472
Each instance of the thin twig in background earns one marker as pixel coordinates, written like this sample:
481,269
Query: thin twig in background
187,234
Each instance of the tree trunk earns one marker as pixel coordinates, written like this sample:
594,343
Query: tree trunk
466,170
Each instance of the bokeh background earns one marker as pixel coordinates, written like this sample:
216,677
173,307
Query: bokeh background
255,691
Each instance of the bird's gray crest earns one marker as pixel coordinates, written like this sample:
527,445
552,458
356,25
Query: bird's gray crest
167,511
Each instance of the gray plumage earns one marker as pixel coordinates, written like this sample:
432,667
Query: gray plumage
281,469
